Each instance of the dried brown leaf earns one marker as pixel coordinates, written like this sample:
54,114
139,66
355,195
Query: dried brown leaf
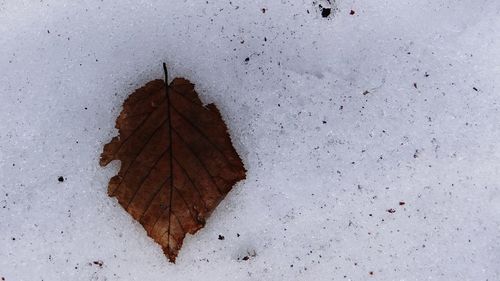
177,161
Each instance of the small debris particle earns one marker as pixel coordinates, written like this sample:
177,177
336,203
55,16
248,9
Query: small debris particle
60,179
401,203
263,10
13,239
426,74
250,254
98,263
415,85
366,93
247,59
325,12
324,122
475,89
371,272
352,12
391,210
221,237
415,155
237,235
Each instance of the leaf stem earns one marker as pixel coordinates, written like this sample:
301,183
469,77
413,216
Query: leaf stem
166,75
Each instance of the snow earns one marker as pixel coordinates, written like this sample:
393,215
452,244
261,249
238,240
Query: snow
370,140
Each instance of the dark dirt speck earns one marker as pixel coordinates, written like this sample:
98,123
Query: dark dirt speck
325,12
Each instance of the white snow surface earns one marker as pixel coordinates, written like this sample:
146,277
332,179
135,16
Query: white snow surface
371,140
